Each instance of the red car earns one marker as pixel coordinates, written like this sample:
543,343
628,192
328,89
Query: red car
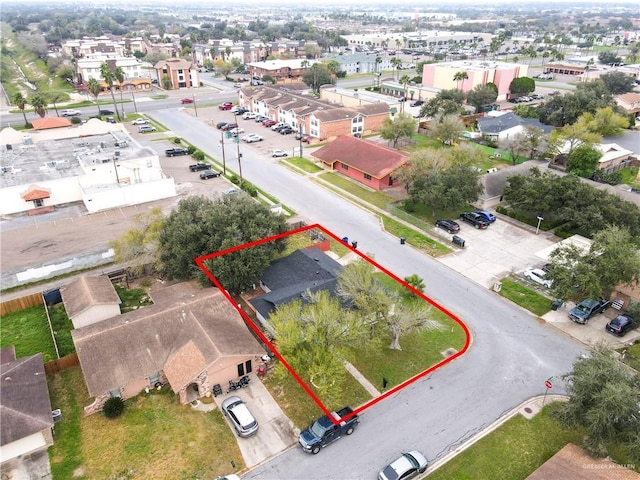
226,106
186,100
269,123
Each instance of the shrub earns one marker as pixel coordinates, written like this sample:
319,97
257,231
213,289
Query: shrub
75,120
113,407
234,179
249,188
198,155
177,140
191,149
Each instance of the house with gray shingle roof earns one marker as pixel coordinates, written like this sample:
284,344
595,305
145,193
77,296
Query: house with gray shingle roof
290,277
25,416
501,126
89,300
362,160
190,338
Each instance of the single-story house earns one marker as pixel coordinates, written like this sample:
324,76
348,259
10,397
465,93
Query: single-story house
614,157
367,162
498,125
89,300
191,338
629,102
290,277
25,416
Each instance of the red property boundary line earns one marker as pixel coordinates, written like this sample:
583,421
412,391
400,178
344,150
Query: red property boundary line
200,262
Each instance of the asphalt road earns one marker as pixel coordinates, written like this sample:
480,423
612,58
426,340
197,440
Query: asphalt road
511,356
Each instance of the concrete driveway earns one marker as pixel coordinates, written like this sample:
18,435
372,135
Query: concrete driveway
275,433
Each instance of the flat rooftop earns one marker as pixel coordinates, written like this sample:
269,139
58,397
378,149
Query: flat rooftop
28,163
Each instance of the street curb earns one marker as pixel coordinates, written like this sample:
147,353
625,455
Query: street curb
531,403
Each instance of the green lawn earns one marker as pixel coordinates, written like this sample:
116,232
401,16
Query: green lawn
525,297
512,452
374,197
28,330
156,438
62,327
632,355
303,164
629,177
413,237
132,298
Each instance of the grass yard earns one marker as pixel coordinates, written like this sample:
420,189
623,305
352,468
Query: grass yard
28,330
303,164
525,297
132,298
629,177
632,355
62,327
374,197
512,452
414,238
156,438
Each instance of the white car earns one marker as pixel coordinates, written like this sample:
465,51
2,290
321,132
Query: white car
278,153
140,121
248,115
409,465
252,137
236,131
278,125
71,113
537,275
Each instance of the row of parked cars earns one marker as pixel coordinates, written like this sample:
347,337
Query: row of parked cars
478,218
527,98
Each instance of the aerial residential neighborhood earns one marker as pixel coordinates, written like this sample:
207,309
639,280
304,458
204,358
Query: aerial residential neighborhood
307,241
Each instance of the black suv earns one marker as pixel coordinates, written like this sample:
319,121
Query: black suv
199,166
207,174
172,152
448,225
474,219
620,325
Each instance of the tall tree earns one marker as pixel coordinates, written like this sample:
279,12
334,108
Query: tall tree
402,126
39,102
481,95
605,122
107,75
20,102
396,63
316,76
138,247
118,74
95,89
583,161
446,128
460,77
200,226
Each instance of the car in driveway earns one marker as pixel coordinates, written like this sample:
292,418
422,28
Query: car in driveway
226,106
146,129
236,410
620,325
474,219
207,174
278,153
70,113
105,111
408,465
487,215
140,121
252,137
186,100
448,225
538,276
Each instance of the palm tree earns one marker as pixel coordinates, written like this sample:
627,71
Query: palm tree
397,63
119,75
460,76
378,62
333,66
404,80
39,103
20,102
95,89
108,76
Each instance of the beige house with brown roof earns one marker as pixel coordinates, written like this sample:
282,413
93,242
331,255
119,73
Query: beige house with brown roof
629,102
191,338
89,300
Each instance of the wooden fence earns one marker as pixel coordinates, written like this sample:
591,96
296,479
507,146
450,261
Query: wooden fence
20,303
63,363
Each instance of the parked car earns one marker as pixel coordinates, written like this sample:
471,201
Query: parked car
248,115
199,166
207,174
278,126
140,121
176,151
186,100
226,106
537,96
586,309
239,110
229,126
620,325
278,153
219,125
70,113
241,418
237,85
417,103
487,215
106,112
236,131
448,225
474,219
409,465
539,276
252,137
146,129
268,122
324,431
260,118
286,130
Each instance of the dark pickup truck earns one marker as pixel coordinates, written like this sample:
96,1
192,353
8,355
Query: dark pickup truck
324,431
586,309
199,166
172,152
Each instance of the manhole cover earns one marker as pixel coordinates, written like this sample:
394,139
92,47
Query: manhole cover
449,352
527,410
